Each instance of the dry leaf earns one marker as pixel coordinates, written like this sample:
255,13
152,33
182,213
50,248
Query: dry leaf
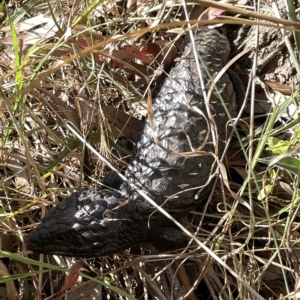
213,12
21,178
70,280
124,125
163,52
129,53
47,29
29,23
282,88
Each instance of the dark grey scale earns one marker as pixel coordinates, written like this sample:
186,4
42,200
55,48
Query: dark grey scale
99,221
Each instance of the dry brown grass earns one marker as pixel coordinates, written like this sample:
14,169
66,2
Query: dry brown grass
61,83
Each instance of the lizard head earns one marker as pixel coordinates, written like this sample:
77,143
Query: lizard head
87,224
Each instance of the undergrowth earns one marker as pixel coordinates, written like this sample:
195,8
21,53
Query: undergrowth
76,74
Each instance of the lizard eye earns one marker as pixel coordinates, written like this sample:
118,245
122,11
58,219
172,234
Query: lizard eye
60,238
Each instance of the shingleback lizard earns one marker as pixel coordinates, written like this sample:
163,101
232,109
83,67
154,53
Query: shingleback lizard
97,221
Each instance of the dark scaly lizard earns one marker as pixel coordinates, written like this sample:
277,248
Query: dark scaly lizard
98,221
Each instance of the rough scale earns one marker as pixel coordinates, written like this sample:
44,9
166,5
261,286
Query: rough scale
98,222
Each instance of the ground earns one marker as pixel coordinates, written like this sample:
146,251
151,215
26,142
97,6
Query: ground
87,73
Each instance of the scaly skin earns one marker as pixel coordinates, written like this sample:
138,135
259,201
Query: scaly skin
97,222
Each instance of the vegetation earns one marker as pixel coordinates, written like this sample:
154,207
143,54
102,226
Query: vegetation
81,75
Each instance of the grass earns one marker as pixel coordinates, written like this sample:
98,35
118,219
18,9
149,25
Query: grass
53,95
